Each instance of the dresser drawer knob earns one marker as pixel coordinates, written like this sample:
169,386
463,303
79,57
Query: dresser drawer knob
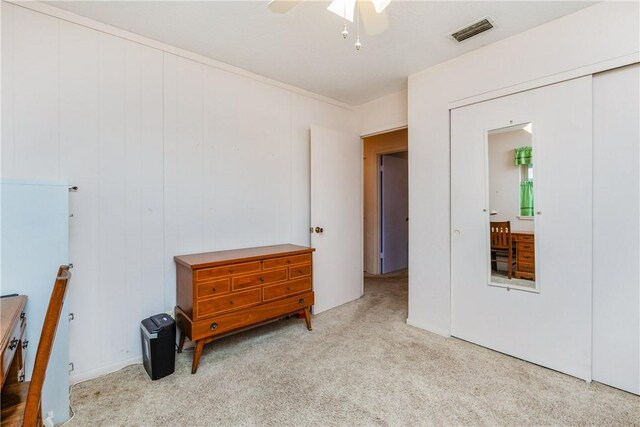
262,279
301,301
300,272
230,271
213,326
231,302
13,344
213,289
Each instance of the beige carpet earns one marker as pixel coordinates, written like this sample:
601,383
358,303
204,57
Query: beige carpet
361,365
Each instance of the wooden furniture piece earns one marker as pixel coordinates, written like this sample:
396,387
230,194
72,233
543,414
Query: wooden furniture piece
222,292
13,325
502,245
525,254
21,402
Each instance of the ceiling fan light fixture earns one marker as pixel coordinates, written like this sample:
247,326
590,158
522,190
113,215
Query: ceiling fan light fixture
345,32
343,8
380,5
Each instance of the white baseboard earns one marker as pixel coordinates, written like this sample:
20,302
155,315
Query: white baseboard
427,327
103,370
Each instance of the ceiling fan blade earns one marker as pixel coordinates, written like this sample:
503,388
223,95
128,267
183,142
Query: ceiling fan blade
374,23
379,5
282,6
343,8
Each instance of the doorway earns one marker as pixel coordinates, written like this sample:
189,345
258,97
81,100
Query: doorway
394,212
385,227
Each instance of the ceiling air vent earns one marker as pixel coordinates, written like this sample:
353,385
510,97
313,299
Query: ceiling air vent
485,24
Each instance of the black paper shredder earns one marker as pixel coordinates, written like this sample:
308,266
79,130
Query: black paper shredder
158,335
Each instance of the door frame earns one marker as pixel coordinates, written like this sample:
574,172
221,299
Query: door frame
377,217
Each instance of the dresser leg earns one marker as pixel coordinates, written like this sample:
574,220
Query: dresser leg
307,318
196,355
181,343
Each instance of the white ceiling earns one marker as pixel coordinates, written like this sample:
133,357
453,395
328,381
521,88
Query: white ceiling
304,47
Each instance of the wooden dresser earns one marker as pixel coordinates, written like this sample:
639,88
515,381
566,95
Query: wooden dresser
525,254
221,292
12,327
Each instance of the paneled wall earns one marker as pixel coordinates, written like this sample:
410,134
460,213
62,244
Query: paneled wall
170,155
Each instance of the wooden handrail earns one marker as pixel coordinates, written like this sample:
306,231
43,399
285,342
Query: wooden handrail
33,409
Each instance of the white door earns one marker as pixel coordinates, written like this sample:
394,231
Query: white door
336,208
616,227
552,325
394,213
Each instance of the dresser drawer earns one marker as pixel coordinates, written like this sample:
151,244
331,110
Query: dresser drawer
299,271
286,261
285,289
525,246
214,287
528,257
526,266
226,322
227,270
525,237
229,302
258,279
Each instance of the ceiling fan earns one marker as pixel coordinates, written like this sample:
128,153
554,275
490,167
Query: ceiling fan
370,12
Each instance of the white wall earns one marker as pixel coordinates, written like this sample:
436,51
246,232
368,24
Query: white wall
504,178
171,156
383,114
616,228
602,32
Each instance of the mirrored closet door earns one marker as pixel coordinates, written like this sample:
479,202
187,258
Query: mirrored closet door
521,225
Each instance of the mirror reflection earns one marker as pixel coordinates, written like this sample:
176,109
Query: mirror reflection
511,206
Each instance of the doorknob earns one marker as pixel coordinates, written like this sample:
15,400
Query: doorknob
319,229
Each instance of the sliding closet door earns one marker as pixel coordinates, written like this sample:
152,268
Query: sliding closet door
540,309
616,228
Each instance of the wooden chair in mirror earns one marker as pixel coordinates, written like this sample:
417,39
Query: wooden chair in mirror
502,246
